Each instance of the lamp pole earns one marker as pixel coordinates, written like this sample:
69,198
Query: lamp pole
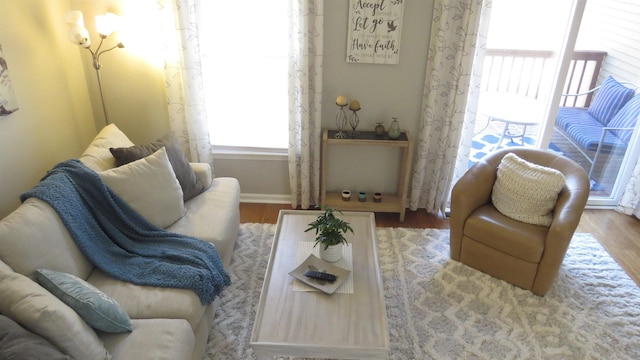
95,55
79,35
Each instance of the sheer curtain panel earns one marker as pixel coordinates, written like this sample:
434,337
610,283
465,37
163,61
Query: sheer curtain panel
305,96
450,58
183,76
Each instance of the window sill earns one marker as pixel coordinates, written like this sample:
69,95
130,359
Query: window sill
248,153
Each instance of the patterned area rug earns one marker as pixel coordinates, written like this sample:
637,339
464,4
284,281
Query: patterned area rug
438,308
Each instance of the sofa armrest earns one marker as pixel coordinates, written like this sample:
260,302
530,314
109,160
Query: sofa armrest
203,173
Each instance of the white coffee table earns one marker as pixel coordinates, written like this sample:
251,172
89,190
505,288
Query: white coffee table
313,324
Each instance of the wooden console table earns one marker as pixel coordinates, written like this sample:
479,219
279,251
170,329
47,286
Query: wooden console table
390,202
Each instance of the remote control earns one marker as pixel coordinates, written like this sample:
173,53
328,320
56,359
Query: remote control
320,275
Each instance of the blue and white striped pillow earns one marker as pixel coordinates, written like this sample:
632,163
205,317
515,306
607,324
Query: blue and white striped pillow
626,118
610,97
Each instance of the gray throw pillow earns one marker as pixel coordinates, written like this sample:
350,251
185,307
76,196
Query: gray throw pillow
96,308
17,342
190,185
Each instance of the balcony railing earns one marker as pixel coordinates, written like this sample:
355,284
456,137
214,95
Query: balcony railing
526,72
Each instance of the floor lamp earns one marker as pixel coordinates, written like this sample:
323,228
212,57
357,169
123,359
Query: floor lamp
105,25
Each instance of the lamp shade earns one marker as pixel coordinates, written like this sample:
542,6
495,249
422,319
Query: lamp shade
107,23
74,18
79,36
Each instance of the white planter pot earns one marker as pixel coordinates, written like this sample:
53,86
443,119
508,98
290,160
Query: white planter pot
332,254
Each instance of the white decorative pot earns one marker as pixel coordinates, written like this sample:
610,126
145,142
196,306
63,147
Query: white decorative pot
332,254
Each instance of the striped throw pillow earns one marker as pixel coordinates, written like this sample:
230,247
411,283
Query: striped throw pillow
609,99
626,118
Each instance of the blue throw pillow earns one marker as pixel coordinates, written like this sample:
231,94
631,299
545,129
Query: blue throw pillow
610,98
95,307
626,118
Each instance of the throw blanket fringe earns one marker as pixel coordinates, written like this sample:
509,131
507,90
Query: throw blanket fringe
122,243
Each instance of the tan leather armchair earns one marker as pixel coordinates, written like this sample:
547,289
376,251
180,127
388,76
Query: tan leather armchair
522,254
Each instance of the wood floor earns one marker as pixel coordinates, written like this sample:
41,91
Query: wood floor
619,234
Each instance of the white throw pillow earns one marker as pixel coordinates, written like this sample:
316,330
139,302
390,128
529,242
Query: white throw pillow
525,191
150,187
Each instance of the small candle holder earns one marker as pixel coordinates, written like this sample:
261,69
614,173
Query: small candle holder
354,120
346,195
341,117
377,197
362,196
341,122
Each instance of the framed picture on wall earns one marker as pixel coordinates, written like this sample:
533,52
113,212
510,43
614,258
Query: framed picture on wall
8,102
374,31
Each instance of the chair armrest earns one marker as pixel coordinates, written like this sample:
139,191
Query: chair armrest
566,217
470,192
203,173
617,128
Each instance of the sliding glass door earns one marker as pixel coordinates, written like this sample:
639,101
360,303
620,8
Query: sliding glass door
529,63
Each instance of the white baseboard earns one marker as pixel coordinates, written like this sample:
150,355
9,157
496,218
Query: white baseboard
265,198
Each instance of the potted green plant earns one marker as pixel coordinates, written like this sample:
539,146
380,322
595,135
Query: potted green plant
330,232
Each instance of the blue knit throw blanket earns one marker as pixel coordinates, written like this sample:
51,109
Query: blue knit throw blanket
121,242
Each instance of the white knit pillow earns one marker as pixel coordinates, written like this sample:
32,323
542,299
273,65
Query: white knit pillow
525,191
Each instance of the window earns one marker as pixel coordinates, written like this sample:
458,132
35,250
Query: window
244,46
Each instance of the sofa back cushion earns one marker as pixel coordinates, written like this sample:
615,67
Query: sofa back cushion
17,342
626,118
33,236
97,155
610,98
37,310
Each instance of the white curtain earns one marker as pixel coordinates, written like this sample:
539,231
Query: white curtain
630,202
183,76
469,122
305,100
450,58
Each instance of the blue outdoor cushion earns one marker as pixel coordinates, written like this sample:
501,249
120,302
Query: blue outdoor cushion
626,118
571,115
609,99
95,307
584,129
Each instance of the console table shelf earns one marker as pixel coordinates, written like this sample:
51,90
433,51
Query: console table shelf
390,202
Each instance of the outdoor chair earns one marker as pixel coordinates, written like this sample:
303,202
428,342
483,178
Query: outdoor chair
523,254
605,126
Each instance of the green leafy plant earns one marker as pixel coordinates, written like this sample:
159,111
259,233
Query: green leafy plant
329,229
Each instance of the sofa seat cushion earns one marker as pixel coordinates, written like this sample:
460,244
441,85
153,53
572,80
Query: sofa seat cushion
33,237
489,227
214,216
150,302
97,155
158,339
37,310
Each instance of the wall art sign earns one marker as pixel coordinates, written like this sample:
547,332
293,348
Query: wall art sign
374,31
8,102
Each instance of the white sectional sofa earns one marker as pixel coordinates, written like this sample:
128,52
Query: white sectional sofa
167,323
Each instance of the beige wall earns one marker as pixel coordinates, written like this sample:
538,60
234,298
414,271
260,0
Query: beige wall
55,120
137,101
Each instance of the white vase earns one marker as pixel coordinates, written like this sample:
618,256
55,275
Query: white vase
332,254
